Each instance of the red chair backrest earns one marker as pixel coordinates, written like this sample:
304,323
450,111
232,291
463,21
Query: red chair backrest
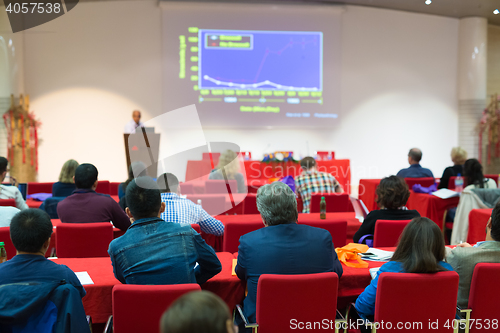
39,188
411,299
219,186
103,187
494,177
83,240
5,237
338,230
303,297
213,204
196,227
451,183
8,202
323,155
387,232
234,230
186,188
484,293
335,202
139,308
113,188
425,181
250,204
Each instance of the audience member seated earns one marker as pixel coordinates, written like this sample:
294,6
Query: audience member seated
311,181
6,215
198,311
420,250
230,165
85,205
282,246
458,156
415,170
66,184
464,257
392,195
469,200
153,251
10,192
182,210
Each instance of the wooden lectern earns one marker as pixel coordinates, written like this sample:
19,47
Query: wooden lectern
144,147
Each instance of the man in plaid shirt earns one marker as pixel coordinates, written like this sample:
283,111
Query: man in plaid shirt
181,210
311,182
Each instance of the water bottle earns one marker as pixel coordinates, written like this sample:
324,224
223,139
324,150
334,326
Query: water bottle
322,208
459,183
3,253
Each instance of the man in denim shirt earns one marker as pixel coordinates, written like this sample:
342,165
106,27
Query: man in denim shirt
153,251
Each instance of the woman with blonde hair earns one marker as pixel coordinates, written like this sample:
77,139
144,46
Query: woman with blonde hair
458,156
229,167
66,184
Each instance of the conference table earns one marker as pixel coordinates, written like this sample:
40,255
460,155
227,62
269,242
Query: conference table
353,224
98,301
478,218
427,205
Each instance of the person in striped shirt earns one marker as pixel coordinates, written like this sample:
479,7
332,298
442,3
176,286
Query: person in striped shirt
181,210
312,181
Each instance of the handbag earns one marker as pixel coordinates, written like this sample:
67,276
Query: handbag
351,252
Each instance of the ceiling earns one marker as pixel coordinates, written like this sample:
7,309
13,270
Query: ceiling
450,8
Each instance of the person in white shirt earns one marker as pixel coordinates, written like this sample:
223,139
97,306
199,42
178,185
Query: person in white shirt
10,192
6,215
134,123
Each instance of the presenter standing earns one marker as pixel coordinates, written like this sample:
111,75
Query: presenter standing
134,123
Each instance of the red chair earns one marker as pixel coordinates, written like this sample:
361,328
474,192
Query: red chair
186,188
139,308
338,230
220,186
424,182
8,202
250,204
335,202
234,230
102,187
387,232
301,298
323,155
113,188
83,240
9,247
39,188
196,227
494,177
416,299
213,204
483,295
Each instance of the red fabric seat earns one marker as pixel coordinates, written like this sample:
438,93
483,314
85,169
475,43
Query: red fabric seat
416,298
196,227
83,240
338,230
250,204
5,237
484,293
39,188
335,202
103,187
113,188
387,232
139,308
234,230
8,202
213,204
303,297
186,188
220,186
424,182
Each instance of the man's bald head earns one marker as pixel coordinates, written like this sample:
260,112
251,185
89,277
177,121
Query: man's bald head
136,115
415,155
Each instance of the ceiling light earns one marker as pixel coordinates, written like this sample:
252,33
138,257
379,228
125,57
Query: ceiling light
496,11
428,2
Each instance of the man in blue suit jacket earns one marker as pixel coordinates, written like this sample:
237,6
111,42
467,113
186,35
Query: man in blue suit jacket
283,246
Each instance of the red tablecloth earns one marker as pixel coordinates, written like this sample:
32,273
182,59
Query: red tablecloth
366,192
477,225
431,206
98,304
353,224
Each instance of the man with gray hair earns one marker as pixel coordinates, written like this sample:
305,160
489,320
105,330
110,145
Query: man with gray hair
282,246
415,170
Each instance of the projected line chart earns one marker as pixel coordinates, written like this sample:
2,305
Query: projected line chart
260,60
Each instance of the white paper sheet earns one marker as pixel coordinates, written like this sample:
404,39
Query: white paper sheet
444,193
84,278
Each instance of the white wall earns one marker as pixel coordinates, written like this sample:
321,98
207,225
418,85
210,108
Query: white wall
90,68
